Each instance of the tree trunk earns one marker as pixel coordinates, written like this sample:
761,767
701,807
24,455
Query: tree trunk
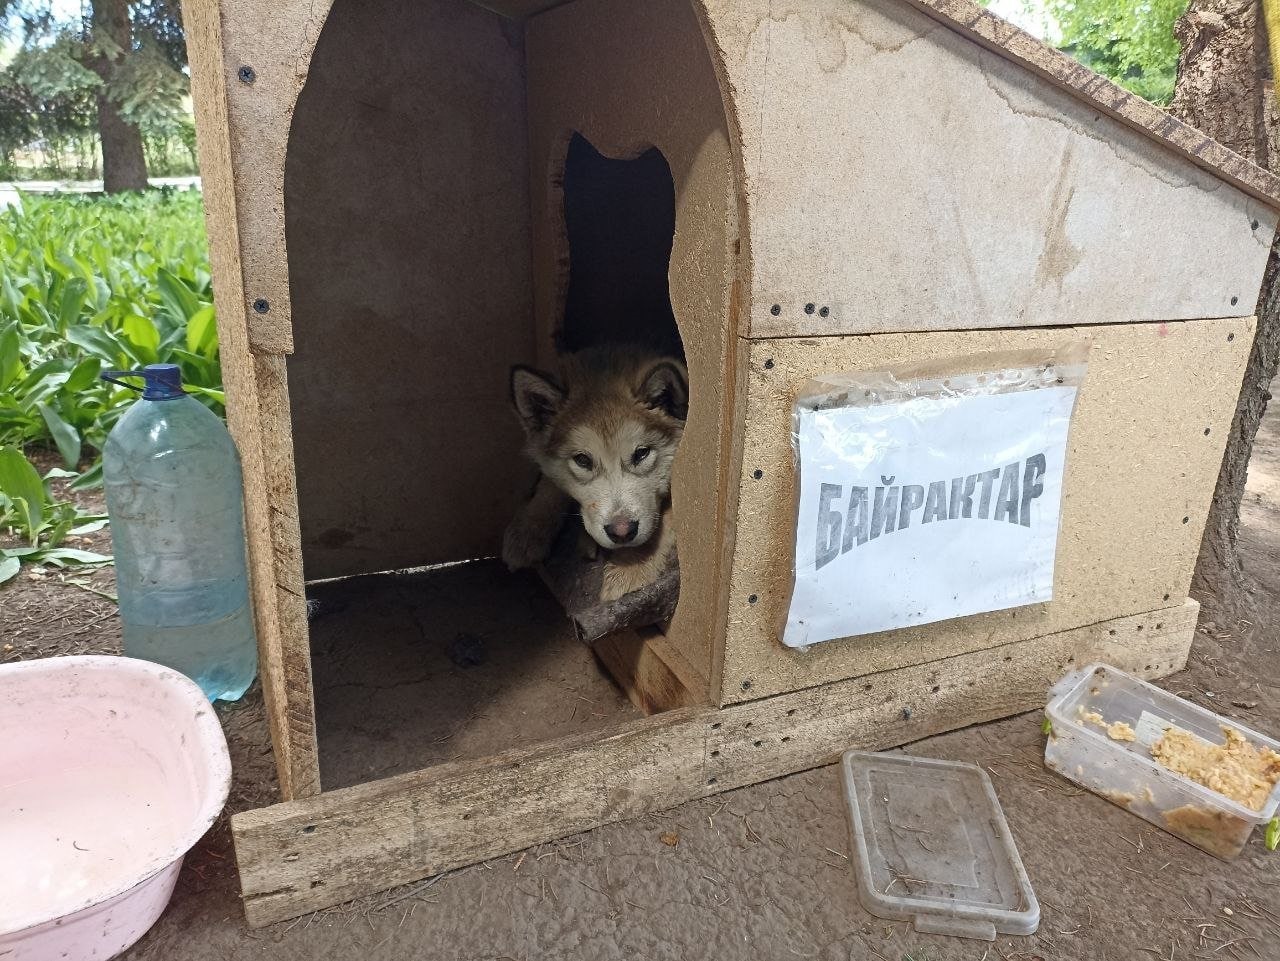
1222,90
124,165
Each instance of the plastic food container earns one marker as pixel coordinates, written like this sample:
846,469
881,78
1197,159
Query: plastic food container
1124,772
931,845
110,770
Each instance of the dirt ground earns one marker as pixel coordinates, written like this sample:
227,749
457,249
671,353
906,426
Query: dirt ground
762,872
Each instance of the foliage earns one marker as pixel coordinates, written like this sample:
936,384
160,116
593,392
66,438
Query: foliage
89,284
27,505
1128,41
49,92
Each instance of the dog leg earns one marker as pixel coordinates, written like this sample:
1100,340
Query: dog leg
533,530
629,570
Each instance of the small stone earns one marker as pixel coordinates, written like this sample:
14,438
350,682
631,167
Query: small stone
669,838
467,650
1228,912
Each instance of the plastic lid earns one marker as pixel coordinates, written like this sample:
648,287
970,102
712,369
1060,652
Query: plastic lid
932,845
161,381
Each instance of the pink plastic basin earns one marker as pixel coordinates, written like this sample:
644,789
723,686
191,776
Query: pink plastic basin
110,770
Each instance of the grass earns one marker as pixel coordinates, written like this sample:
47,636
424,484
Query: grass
90,284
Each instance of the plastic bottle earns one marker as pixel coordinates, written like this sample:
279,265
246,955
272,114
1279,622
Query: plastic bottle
175,499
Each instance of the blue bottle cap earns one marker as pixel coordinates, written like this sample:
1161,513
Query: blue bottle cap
161,381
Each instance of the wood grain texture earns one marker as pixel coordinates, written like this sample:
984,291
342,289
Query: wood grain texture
304,855
629,76
1145,446
258,415
899,176
638,668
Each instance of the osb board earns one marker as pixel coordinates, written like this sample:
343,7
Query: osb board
406,203
1145,446
258,415
305,855
628,76
899,176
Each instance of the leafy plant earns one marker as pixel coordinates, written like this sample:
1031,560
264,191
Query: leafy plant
28,507
1128,41
89,284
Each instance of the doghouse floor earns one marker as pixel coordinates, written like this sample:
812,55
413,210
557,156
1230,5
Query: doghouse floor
412,669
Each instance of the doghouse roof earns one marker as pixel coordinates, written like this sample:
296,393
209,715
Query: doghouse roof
994,33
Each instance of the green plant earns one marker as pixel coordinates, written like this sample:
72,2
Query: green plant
1128,41
28,508
89,284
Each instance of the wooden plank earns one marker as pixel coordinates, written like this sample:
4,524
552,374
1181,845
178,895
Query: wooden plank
258,415
1146,443
637,666
628,76
304,855
898,176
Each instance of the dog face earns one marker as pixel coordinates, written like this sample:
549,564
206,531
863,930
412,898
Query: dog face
607,437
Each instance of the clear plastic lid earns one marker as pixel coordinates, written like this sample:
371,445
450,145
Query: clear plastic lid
932,846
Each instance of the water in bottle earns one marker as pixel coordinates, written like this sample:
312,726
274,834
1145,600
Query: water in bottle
175,499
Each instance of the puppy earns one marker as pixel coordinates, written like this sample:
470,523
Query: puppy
604,434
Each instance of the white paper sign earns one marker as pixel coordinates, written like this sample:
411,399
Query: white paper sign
925,509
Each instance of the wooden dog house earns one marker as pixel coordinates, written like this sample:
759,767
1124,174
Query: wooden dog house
848,184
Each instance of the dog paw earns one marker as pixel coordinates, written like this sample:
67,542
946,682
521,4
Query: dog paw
619,580
524,546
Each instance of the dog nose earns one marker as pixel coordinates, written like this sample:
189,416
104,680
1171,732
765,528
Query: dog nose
621,530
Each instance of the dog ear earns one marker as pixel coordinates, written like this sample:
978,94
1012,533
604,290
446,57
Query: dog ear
666,387
537,398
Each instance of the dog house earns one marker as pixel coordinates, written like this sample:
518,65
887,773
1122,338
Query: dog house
406,197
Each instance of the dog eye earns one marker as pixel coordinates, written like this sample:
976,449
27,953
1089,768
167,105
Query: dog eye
584,461
639,456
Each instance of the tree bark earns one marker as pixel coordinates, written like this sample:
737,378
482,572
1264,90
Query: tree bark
124,165
1222,89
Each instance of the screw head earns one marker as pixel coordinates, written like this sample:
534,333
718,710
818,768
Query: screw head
906,713
261,306
757,473
823,311
247,74
746,685
809,308
776,309
1234,301
768,364
752,598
